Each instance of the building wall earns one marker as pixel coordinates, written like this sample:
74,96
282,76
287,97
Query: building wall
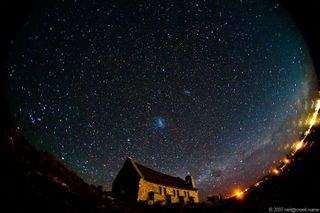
125,185
146,187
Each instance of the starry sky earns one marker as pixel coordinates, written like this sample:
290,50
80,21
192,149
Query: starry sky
217,89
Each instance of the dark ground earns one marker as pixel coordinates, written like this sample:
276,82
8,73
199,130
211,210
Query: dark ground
34,180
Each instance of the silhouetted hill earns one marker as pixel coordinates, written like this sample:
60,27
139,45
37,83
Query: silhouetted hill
34,179
298,185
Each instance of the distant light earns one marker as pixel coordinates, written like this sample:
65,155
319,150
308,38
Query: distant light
238,194
298,145
317,105
307,132
312,121
275,171
286,161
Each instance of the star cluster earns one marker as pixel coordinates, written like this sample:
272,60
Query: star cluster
210,88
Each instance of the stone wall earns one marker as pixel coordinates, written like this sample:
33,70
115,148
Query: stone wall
146,187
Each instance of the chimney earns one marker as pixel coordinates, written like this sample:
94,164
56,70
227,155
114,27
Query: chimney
190,181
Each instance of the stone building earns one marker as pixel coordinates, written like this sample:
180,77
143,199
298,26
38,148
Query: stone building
136,182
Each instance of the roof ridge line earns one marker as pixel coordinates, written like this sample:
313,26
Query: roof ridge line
156,177
162,173
136,168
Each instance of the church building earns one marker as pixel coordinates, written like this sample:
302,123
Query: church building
136,182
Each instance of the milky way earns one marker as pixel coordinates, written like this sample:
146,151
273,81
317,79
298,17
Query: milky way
216,89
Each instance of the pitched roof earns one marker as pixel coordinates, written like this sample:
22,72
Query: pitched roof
160,178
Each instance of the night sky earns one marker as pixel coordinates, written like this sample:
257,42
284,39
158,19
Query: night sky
217,89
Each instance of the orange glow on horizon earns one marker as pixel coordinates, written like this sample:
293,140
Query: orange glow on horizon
298,145
286,161
275,171
238,194
312,121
